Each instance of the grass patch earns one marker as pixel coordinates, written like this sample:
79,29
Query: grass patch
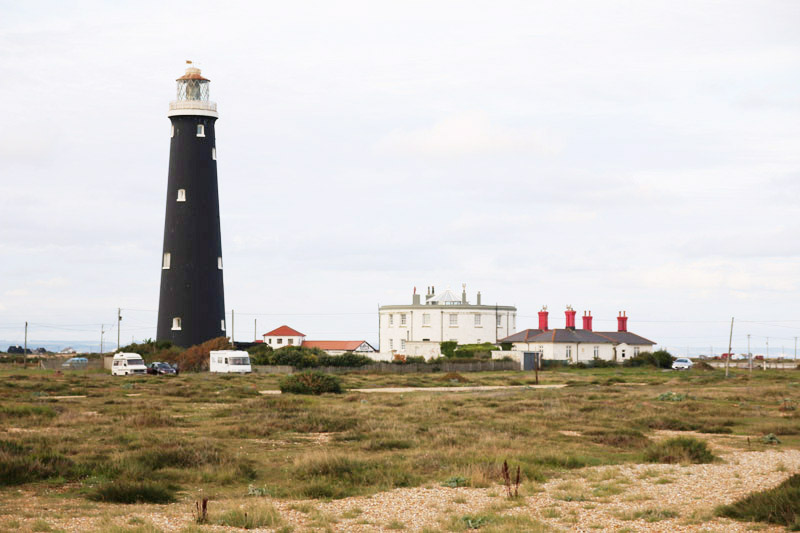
679,450
251,517
779,505
133,492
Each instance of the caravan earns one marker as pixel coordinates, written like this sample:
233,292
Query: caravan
230,361
127,363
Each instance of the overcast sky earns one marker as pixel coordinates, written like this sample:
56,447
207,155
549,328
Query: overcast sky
610,155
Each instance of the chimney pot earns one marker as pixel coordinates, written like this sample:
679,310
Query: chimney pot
479,298
570,314
587,320
543,319
622,322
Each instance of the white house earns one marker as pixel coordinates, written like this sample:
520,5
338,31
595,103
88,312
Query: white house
283,336
419,328
575,345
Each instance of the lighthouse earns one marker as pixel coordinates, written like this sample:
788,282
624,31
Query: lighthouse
191,306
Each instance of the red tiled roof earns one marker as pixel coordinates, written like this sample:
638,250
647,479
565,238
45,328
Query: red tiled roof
283,331
333,345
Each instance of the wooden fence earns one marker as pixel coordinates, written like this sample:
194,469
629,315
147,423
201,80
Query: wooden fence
392,368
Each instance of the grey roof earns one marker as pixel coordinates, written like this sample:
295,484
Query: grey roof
576,336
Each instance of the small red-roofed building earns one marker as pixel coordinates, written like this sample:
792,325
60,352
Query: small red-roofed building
283,336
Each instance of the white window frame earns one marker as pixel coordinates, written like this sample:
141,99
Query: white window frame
181,195
568,351
426,319
499,321
214,153
172,130
177,323
453,320
402,344
403,320
596,352
477,320
219,262
201,130
222,324
391,344
635,351
166,261
391,319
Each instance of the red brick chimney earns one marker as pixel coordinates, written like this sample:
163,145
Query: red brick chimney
543,319
587,320
622,322
570,313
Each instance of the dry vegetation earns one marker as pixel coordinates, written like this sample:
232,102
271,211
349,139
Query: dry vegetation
116,456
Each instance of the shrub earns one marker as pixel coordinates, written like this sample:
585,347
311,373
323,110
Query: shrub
133,492
415,359
310,383
679,450
348,359
297,356
260,354
659,359
196,358
448,348
18,466
620,438
252,517
475,351
779,505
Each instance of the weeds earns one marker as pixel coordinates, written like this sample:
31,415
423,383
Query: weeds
133,492
507,481
679,450
779,505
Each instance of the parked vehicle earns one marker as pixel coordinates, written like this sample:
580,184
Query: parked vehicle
75,362
125,364
682,363
230,361
160,368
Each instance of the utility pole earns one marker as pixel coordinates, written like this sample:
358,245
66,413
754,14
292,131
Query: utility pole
119,319
764,366
795,349
749,355
255,329
25,349
102,332
728,359
233,317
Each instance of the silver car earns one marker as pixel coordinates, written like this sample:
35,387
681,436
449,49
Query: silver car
682,363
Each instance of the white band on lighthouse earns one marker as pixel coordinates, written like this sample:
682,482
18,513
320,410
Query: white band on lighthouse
193,107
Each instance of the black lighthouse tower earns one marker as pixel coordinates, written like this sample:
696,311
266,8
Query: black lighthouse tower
191,306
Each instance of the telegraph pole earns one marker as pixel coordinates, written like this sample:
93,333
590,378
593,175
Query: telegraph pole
795,349
233,318
749,355
119,319
255,329
25,349
102,332
728,359
764,366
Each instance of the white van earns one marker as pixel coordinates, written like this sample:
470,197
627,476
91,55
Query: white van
230,361
127,363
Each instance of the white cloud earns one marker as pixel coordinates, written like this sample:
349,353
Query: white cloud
470,133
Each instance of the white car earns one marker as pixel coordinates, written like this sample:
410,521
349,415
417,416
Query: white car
127,364
682,363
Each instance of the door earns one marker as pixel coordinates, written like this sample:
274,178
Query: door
530,360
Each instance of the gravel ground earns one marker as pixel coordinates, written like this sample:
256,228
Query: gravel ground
589,499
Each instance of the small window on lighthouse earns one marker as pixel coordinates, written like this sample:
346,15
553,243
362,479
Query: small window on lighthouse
181,195
214,153
176,323
201,130
166,261
219,262
172,130
222,324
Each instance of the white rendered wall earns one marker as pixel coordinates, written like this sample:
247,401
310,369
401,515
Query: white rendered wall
279,342
438,327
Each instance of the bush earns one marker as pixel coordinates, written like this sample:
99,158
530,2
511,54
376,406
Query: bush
260,354
779,505
659,359
448,348
310,383
297,356
348,359
252,517
475,351
596,363
679,450
133,492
